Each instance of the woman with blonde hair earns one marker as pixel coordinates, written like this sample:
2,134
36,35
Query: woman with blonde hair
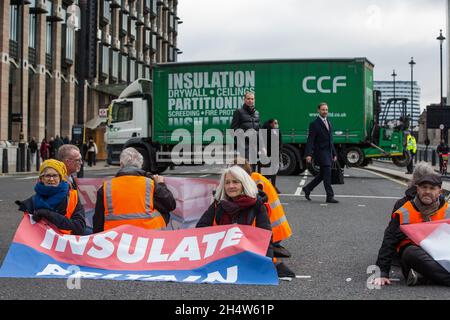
54,200
238,201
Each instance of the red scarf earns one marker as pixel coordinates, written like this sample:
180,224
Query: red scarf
231,208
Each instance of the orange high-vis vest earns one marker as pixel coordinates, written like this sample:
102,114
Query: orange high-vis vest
129,200
71,205
280,226
408,215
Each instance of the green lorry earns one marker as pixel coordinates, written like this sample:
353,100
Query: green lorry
185,94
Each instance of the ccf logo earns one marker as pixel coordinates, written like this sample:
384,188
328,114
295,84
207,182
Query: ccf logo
324,84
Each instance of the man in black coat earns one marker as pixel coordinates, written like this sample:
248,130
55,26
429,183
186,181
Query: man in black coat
247,118
320,146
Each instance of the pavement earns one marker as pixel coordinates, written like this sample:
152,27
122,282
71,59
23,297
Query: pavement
389,169
100,165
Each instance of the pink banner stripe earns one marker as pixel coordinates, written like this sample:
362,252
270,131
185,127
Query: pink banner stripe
94,251
419,231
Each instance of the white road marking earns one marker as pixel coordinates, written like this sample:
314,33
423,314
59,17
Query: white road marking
341,196
302,183
361,205
28,178
297,192
204,175
203,170
303,277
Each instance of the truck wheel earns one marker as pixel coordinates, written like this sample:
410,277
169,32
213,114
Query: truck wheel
402,161
354,157
288,163
313,168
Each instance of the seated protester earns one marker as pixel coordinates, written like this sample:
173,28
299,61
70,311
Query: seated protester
54,200
280,226
132,197
417,266
421,169
238,201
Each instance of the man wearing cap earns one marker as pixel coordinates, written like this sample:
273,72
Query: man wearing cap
418,267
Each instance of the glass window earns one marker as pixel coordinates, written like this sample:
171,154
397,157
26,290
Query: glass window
13,18
122,111
132,70
139,70
70,35
48,38
125,22
106,10
32,31
147,37
115,64
147,73
154,39
124,65
133,29
154,7
105,60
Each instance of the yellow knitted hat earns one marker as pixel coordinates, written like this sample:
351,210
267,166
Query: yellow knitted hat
59,166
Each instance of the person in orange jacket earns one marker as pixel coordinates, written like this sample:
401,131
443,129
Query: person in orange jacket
280,226
132,197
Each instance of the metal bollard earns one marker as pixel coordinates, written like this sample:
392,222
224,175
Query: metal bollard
28,159
38,161
5,161
433,158
426,157
17,160
22,156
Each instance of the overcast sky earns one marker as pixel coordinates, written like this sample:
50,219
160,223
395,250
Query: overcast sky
387,32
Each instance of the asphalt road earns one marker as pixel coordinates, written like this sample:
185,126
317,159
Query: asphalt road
334,244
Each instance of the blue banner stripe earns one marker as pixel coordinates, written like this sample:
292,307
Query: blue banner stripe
25,262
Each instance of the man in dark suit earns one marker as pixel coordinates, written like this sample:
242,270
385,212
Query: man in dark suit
320,146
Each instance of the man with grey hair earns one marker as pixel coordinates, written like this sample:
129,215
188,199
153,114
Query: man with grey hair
132,197
70,155
421,169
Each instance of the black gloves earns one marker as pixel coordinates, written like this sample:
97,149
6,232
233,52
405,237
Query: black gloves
43,213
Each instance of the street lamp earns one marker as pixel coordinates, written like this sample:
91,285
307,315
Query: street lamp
412,63
441,39
393,76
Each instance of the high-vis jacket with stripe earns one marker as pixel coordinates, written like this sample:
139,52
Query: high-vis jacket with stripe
280,226
130,200
71,205
408,215
411,143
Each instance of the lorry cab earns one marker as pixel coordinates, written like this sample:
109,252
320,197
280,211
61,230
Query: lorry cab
128,118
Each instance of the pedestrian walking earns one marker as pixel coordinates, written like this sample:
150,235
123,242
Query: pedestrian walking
320,147
92,152
33,147
44,149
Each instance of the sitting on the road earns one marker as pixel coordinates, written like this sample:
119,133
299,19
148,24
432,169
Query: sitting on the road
54,200
237,200
418,267
71,156
132,197
281,229
421,169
